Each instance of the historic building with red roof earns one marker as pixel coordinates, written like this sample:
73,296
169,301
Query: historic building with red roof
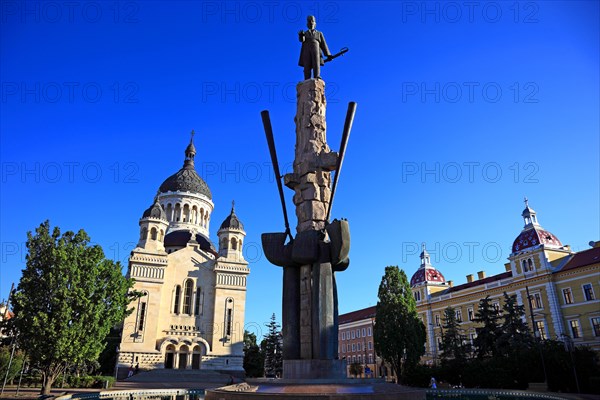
560,289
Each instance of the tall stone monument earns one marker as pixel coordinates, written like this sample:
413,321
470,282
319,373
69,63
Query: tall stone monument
319,249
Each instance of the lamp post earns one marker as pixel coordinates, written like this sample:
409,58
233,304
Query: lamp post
536,334
569,346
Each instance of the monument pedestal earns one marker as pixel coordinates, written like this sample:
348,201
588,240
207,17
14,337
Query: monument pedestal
314,369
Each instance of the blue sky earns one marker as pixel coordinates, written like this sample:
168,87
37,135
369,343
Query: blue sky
463,109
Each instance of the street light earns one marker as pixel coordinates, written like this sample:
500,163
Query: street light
569,346
536,334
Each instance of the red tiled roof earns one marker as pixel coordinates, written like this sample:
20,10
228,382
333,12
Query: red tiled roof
357,315
478,282
583,258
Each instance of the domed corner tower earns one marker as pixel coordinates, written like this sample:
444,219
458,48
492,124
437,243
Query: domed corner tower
231,271
535,248
427,279
153,226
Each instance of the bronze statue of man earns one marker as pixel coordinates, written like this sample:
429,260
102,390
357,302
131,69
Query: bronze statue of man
313,45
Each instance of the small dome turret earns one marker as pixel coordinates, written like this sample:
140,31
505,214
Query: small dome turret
155,211
426,273
232,221
533,234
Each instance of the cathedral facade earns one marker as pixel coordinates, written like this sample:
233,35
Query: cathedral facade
191,311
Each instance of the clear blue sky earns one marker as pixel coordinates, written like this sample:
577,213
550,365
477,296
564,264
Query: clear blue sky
462,111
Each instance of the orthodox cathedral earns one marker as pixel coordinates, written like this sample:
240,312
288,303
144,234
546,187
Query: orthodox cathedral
191,312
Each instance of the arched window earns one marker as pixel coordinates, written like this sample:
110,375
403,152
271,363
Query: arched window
224,243
524,264
177,299
202,217
530,264
169,212
233,243
162,235
194,219
177,212
186,213
144,234
153,234
187,297
198,302
142,309
228,317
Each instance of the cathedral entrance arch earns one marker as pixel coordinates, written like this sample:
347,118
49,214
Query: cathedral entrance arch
170,357
197,357
183,357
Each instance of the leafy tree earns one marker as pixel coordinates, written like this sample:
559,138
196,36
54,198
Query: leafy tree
452,337
67,300
15,365
399,333
254,362
488,316
273,349
356,369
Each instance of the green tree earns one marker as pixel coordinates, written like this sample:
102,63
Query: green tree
488,316
254,362
15,365
399,333
515,335
356,369
273,350
67,300
453,337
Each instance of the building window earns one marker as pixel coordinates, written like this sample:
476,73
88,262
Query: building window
359,359
496,306
458,316
369,331
437,319
357,333
470,313
568,296
364,332
541,330
473,337
187,297
228,316
353,334
537,300
439,343
596,326
343,348
198,305
575,328
370,358
358,346
370,345
142,318
353,346
588,292
177,299
343,335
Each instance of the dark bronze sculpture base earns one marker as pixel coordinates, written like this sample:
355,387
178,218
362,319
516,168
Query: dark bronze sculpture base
314,369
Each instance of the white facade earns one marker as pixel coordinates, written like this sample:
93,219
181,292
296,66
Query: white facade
191,314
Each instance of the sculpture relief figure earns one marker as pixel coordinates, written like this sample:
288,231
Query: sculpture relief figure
313,45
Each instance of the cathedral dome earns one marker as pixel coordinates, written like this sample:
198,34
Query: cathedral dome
427,272
186,179
533,234
232,221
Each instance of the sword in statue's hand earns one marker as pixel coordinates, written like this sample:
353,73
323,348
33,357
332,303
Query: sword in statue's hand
343,51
